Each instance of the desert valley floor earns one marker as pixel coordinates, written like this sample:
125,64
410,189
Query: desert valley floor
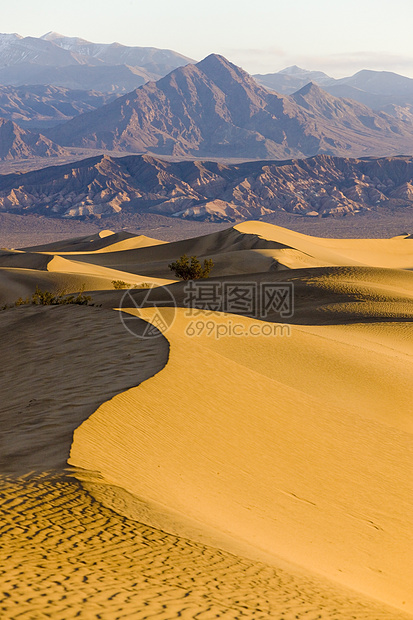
197,474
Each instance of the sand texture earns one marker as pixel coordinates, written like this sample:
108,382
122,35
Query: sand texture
65,556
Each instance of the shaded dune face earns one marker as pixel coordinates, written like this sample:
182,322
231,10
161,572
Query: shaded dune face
52,354
322,296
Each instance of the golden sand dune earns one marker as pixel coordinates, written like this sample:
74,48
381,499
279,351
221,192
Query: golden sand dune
290,446
391,253
58,264
315,473
118,244
233,252
324,295
254,247
89,242
59,274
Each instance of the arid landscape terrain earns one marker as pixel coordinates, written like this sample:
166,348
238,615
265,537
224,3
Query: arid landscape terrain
280,462
206,314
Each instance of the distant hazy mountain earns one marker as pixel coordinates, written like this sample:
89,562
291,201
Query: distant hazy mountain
376,89
38,106
215,109
15,49
105,79
205,190
155,62
79,64
291,79
16,143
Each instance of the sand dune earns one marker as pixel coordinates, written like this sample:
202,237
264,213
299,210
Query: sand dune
395,253
255,475
86,243
58,264
119,242
21,273
255,247
15,283
296,470
23,260
322,296
229,243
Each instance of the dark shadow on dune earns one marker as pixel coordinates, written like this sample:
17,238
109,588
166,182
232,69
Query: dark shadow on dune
60,364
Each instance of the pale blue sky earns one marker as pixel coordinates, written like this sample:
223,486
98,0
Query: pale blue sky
262,36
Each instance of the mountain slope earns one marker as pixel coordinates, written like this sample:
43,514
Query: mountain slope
212,191
215,109
40,105
78,64
105,79
16,143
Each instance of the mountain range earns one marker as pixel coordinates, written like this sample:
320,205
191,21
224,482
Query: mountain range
214,191
216,109
184,110
379,90
79,64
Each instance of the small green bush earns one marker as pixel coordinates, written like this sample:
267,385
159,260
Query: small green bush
190,268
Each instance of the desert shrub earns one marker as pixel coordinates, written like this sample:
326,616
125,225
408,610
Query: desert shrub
47,298
191,268
120,284
44,298
22,302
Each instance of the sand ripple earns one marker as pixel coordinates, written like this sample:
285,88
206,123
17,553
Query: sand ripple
67,557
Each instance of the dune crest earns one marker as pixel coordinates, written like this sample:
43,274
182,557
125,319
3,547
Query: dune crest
395,253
